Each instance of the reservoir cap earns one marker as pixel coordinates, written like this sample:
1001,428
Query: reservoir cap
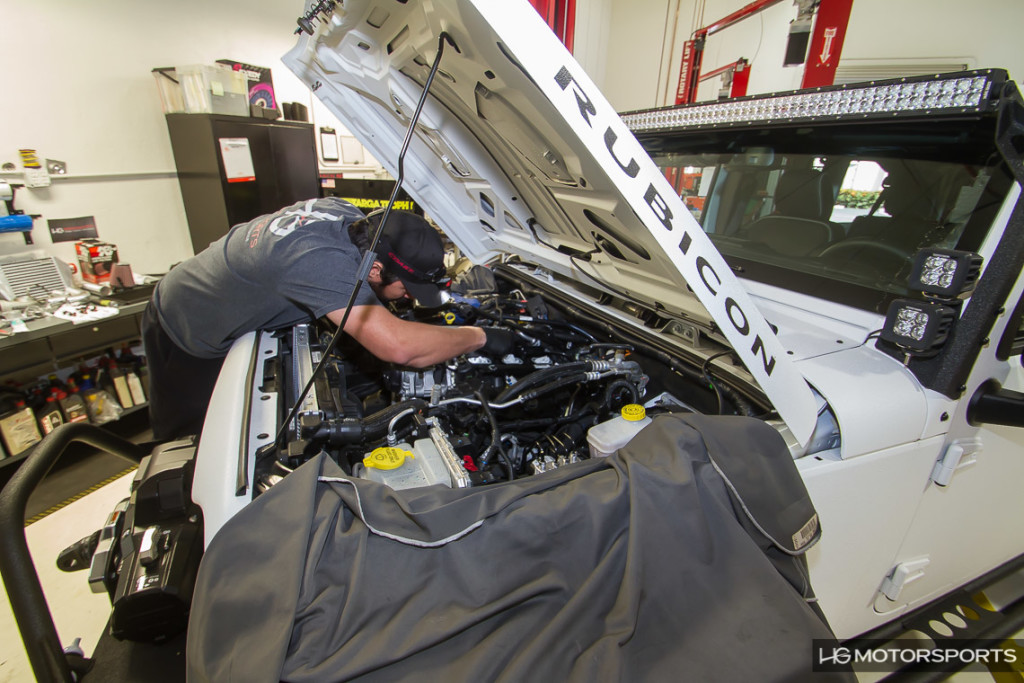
634,412
387,458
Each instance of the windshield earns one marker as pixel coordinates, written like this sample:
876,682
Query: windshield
844,226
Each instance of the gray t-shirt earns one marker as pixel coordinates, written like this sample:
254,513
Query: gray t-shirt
272,272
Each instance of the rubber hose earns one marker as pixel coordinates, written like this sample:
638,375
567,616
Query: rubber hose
352,430
609,392
554,385
542,375
507,463
485,459
627,368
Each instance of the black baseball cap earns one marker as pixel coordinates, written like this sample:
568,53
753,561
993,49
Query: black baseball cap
412,250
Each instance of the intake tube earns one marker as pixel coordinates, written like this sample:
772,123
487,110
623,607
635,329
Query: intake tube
350,430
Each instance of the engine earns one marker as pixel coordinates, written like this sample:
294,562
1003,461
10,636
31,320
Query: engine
476,419
578,384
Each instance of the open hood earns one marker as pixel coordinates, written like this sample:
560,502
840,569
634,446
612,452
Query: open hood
517,152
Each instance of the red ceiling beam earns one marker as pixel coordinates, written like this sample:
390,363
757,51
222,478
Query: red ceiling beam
560,15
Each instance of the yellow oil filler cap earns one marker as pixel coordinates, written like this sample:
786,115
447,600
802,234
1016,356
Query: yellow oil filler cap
387,458
634,412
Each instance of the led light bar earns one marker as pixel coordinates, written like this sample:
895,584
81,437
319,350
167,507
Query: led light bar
955,93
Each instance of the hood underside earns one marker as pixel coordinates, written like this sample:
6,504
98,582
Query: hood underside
516,152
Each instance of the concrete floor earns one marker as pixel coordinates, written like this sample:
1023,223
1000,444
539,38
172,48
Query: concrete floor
72,502
77,612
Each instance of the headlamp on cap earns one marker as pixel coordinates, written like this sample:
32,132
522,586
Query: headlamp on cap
405,270
412,250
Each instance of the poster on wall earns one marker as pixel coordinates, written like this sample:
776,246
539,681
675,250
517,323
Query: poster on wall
72,229
237,158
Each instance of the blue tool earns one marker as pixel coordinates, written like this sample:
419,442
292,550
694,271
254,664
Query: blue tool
16,223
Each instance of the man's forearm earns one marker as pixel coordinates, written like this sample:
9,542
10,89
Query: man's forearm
436,344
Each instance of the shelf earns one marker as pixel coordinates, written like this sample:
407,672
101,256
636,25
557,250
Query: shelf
51,345
23,358
10,464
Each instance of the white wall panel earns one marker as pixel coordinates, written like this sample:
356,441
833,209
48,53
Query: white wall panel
77,84
638,46
643,58
987,31
592,36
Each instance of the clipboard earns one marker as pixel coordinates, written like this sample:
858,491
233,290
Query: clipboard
328,145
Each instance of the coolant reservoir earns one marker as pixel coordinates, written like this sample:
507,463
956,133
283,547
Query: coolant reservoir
611,435
406,466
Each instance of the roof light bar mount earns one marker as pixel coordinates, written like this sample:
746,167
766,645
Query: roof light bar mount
968,93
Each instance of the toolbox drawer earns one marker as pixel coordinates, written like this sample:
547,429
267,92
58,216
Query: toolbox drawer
16,359
90,338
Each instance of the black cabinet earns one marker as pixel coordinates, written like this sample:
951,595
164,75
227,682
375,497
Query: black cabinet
283,162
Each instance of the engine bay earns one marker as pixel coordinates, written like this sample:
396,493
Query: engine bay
574,387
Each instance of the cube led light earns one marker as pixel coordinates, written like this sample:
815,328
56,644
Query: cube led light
945,272
917,327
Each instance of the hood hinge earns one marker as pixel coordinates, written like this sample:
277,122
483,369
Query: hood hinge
903,574
959,454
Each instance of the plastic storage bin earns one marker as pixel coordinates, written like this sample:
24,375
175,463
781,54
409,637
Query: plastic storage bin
203,89
214,89
169,87
609,436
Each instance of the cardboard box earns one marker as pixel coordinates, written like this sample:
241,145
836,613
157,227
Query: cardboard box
96,259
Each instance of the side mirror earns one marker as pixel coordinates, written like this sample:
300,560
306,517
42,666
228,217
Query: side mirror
991,404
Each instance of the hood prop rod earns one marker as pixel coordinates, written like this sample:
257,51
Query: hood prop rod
370,256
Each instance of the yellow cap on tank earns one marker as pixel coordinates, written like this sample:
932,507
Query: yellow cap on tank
387,458
634,412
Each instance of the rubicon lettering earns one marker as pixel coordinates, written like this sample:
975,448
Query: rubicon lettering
688,247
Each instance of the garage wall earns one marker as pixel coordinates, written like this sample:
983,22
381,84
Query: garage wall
639,38
984,33
592,30
77,87
645,40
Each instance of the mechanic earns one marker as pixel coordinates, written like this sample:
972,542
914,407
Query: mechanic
277,270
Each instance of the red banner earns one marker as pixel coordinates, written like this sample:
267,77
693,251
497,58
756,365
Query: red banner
740,79
826,42
685,92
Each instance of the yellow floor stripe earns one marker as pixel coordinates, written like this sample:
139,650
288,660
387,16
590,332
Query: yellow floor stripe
72,499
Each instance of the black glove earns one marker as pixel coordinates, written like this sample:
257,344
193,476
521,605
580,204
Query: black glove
500,342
